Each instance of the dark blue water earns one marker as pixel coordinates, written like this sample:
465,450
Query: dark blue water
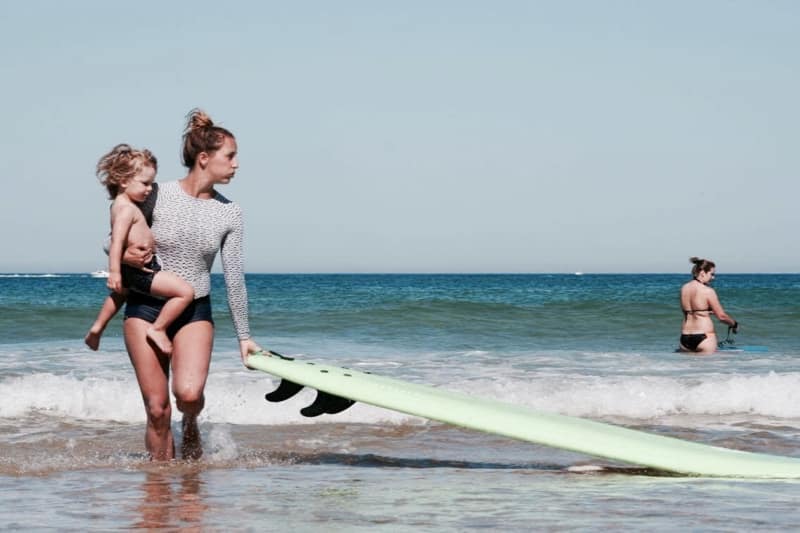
592,346
443,311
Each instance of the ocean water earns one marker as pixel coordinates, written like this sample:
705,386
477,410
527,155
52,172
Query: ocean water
594,346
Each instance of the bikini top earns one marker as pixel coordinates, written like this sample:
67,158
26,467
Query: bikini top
693,311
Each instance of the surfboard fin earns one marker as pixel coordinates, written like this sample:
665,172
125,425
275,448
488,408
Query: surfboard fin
276,354
286,389
326,403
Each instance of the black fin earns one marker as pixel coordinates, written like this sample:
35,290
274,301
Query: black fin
337,404
286,389
326,403
276,354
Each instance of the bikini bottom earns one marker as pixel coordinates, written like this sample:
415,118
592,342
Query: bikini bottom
692,340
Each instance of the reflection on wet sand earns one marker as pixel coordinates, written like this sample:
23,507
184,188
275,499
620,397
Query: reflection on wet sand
172,498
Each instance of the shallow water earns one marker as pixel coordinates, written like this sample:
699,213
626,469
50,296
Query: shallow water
599,347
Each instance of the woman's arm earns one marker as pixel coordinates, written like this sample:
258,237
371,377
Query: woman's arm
233,270
138,257
716,307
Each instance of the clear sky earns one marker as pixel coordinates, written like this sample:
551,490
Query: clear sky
420,136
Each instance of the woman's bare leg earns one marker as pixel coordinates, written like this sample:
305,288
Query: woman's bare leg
152,373
179,295
709,345
191,357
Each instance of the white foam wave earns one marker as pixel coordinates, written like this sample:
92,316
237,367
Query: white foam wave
232,398
647,397
66,395
13,275
237,397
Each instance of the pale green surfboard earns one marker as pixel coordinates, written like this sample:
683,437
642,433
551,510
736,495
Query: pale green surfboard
559,431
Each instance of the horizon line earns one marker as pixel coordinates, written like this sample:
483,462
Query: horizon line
429,273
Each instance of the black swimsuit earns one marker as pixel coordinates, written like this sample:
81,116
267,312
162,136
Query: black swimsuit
693,311
692,340
139,280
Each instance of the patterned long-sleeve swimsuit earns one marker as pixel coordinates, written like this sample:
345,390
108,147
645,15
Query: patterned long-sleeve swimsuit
189,232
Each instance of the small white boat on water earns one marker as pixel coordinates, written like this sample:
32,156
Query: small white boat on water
99,274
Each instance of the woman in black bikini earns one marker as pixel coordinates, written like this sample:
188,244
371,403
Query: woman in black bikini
698,302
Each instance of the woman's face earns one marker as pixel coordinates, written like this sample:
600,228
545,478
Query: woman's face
707,277
223,163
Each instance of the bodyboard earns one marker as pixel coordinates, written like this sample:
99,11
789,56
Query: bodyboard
744,348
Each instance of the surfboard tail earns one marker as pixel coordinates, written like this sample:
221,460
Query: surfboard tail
286,389
324,404
590,437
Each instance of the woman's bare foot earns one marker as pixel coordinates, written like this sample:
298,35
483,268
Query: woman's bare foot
191,447
160,339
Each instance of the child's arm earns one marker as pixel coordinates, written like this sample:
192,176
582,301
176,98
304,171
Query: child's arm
122,217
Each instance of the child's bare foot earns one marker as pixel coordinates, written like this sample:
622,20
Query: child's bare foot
92,339
160,339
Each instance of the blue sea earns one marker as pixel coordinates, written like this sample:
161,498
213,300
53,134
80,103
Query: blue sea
595,346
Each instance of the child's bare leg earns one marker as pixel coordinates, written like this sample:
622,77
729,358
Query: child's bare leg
111,305
179,295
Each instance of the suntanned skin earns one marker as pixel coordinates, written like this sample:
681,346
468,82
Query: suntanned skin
702,301
192,345
129,229
191,357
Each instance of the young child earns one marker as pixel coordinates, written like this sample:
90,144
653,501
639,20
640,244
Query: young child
128,174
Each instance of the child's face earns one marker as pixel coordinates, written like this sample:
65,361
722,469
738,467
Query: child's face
139,187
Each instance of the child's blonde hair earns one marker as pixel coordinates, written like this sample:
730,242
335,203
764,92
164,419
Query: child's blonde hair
122,164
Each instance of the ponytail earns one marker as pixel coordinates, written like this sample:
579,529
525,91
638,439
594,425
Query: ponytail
201,135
